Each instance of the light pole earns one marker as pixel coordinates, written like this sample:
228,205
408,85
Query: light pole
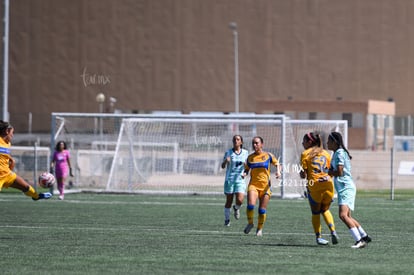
112,101
100,98
233,27
5,115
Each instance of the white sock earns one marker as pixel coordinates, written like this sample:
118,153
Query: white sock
362,232
355,233
226,213
236,206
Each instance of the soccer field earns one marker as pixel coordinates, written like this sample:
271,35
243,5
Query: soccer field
144,234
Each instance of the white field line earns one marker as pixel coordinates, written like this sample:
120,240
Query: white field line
344,236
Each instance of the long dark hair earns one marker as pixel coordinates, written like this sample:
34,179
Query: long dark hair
337,138
4,125
57,148
241,138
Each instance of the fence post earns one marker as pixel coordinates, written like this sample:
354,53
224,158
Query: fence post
392,173
35,165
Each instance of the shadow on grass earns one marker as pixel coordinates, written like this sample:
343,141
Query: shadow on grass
282,245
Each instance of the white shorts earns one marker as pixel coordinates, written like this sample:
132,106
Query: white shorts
234,187
347,197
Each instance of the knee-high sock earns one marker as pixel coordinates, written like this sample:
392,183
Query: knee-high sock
250,213
261,219
316,223
32,193
226,213
355,233
362,232
327,216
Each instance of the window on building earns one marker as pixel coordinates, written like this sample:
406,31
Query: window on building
380,121
336,116
389,122
358,120
321,116
348,117
290,114
312,115
303,115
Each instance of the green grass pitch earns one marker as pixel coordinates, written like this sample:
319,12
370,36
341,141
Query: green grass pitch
144,234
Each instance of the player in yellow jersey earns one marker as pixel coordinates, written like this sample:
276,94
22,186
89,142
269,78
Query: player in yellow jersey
259,164
315,162
7,177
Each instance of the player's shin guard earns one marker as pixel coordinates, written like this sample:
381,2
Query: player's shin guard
32,193
316,223
261,219
250,213
327,216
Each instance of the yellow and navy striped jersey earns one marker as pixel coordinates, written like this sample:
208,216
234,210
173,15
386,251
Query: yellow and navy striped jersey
4,158
316,166
259,167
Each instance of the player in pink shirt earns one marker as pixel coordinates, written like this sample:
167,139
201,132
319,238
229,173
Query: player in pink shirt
62,167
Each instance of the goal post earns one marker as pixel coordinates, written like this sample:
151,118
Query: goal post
183,154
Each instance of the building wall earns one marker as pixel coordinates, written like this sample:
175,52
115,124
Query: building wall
370,123
178,54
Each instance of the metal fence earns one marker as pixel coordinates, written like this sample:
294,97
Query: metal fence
31,161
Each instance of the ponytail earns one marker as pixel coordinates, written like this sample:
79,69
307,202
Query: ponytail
337,138
315,138
317,144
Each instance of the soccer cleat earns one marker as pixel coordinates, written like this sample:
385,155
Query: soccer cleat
321,241
236,212
259,233
248,228
367,239
359,244
227,223
334,237
43,196
61,197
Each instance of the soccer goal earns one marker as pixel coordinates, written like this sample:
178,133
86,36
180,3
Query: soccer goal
183,155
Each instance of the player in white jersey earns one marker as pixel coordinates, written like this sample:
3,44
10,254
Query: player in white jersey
341,171
234,184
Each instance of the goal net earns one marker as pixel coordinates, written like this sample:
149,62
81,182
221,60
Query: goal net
184,154
294,132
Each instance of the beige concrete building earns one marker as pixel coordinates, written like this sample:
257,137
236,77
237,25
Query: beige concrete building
178,55
370,122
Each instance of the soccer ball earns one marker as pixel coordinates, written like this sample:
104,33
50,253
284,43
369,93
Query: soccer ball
46,180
